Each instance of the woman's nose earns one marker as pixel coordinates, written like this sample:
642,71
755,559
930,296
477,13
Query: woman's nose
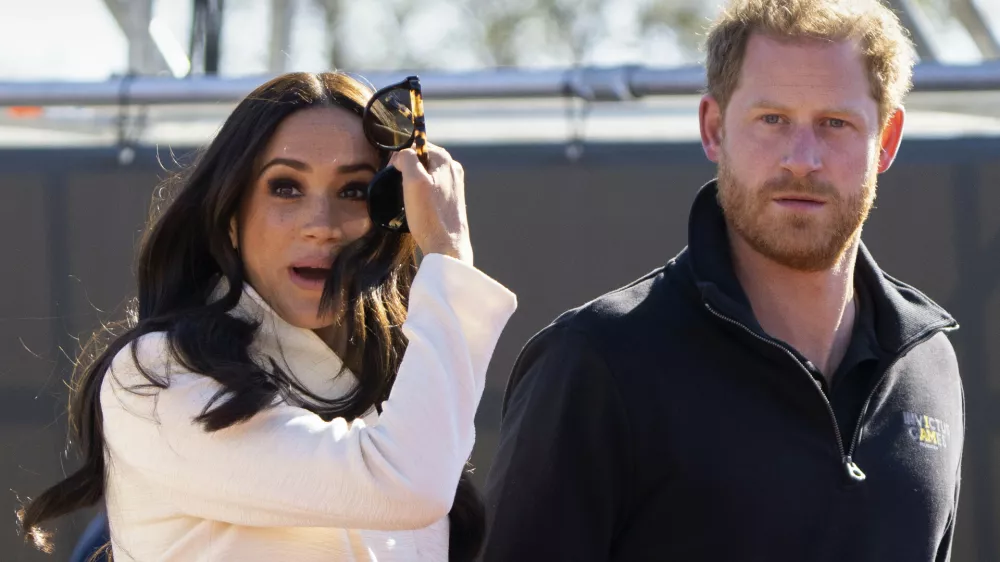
322,222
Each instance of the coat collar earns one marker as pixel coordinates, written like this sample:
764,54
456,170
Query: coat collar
299,352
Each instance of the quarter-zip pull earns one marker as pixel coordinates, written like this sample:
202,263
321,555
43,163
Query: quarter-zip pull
853,470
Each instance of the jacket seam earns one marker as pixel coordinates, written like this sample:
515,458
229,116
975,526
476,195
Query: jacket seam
616,384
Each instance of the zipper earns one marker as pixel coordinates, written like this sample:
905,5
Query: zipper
853,471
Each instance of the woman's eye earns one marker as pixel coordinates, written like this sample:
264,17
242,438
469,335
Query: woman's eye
284,188
357,191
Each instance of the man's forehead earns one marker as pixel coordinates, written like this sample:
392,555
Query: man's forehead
767,57
807,71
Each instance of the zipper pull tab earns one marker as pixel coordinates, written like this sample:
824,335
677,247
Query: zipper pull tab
853,471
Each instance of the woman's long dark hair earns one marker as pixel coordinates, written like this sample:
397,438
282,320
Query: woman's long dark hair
184,255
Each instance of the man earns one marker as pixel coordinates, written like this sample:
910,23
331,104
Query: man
770,394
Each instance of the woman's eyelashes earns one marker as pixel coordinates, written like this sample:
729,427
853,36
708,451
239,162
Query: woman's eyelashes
285,188
288,188
354,190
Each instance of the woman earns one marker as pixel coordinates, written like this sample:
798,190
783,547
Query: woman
294,388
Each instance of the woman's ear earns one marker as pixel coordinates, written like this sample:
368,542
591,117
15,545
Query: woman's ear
233,234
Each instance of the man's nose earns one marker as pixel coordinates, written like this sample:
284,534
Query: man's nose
803,154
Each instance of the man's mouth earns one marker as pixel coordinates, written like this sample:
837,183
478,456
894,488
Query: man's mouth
799,202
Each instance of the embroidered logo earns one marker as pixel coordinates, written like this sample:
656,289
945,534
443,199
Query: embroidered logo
929,432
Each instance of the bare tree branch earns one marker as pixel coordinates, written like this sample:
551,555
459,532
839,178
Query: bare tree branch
688,22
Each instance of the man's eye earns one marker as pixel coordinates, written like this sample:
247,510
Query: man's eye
837,123
772,119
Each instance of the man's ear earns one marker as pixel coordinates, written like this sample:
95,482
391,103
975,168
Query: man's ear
710,121
892,135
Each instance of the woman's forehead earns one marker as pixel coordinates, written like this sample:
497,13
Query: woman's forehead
319,135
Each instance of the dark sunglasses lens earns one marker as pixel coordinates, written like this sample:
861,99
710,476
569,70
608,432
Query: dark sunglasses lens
389,122
385,200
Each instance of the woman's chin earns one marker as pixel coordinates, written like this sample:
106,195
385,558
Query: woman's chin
304,314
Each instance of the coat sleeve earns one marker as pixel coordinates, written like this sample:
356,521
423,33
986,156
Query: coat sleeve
288,467
558,481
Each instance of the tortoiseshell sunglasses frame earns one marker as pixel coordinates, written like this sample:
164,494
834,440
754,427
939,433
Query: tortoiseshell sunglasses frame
419,137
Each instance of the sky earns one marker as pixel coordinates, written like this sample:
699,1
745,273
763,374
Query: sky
79,40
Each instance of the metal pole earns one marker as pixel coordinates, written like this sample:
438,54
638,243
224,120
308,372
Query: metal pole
957,78
976,24
914,20
282,13
206,35
596,84
196,47
133,18
213,36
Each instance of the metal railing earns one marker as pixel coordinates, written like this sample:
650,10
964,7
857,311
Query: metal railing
595,84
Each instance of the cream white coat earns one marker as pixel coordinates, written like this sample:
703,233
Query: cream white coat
287,485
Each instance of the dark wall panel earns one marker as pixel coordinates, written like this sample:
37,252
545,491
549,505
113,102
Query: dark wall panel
557,232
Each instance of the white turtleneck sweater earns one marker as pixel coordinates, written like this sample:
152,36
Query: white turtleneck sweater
286,485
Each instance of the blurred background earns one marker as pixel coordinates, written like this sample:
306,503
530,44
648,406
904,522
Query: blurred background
576,121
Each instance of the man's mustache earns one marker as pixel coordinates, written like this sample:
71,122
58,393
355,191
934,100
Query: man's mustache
800,186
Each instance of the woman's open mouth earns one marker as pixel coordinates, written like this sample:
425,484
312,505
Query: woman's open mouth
310,278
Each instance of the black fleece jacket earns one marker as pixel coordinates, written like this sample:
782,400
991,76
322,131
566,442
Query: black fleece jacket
660,422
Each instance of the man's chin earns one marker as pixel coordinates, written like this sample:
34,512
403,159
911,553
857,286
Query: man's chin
796,248
802,257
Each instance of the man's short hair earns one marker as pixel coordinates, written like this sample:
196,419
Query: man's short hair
885,46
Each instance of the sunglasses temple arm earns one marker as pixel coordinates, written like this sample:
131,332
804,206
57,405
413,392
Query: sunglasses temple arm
419,128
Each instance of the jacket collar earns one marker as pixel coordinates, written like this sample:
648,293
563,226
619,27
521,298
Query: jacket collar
902,313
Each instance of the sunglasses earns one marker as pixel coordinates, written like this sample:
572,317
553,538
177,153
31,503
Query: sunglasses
394,120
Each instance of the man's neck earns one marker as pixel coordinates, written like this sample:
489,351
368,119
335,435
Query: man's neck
813,312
